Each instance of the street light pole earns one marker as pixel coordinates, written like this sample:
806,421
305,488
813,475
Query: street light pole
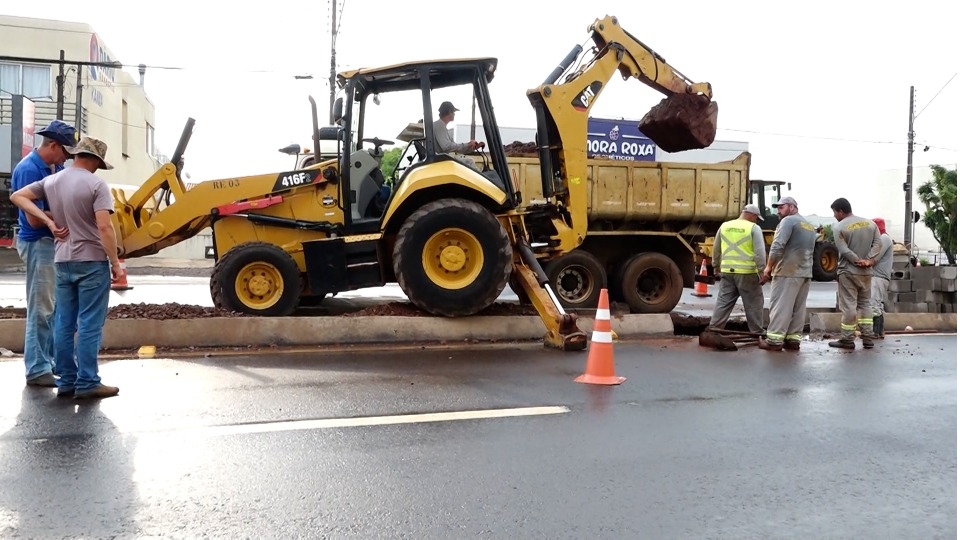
908,185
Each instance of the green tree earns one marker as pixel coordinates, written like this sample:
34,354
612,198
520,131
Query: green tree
388,164
828,233
940,197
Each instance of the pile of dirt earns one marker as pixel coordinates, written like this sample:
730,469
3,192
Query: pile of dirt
173,310
170,310
681,122
521,149
406,309
12,313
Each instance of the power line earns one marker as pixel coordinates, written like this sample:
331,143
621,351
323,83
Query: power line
839,139
934,97
815,137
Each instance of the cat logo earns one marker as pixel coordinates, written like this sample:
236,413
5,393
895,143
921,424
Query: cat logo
586,96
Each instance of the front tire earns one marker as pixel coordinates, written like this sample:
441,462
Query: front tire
452,258
826,258
256,278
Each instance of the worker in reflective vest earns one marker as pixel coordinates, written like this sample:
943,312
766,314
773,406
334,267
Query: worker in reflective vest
739,252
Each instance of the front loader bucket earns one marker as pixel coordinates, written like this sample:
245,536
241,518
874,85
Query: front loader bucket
681,122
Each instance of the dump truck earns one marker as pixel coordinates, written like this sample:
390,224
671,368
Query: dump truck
652,223
450,235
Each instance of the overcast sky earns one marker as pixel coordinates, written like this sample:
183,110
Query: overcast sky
819,89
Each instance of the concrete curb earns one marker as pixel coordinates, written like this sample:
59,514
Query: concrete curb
942,322
244,331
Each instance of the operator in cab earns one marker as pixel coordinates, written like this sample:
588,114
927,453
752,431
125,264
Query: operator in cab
444,141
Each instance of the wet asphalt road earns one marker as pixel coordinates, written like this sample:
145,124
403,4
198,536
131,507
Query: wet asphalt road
695,444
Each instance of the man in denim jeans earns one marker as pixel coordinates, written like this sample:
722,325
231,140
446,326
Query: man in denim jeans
86,262
35,246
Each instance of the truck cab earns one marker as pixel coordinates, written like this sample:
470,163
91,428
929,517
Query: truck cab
764,194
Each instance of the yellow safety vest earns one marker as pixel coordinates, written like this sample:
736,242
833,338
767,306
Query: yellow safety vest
736,239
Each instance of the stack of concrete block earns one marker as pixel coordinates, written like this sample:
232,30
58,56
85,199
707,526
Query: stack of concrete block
921,289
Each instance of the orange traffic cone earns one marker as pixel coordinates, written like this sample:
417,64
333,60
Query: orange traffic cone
700,287
600,368
121,284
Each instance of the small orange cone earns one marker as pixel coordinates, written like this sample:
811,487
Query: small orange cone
700,288
600,368
121,284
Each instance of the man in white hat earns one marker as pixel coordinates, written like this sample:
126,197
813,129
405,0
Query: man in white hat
740,254
86,261
790,266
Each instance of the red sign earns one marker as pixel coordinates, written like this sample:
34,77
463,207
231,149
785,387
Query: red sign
29,126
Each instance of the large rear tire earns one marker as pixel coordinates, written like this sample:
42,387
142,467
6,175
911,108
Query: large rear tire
826,258
651,283
577,278
258,279
452,258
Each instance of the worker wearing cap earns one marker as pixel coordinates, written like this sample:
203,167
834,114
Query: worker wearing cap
790,266
882,272
86,262
858,244
444,141
36,247
740,254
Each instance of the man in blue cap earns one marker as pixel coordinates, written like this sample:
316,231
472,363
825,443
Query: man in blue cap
35,246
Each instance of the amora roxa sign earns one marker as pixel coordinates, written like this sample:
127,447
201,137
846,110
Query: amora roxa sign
618,139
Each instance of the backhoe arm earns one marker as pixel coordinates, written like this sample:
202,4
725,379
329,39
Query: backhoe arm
686,119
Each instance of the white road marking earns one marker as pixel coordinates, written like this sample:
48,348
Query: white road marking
363,421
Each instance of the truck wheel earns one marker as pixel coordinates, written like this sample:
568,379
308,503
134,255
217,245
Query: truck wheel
452,258
651,283
577,278
258,279
826,257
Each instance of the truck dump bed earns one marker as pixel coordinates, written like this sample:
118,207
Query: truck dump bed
664,196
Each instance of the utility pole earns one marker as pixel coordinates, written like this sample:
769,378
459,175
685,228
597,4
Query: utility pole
908,185
79,100
333,55
60,82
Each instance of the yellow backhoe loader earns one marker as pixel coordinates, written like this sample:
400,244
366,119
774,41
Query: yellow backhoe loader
450,234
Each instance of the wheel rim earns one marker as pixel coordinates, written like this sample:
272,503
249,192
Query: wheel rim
452,258
652,285
573,284
259,285
827,261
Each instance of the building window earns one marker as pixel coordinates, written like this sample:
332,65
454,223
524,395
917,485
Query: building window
151,149
30,80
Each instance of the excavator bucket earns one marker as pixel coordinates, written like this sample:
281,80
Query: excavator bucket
681,122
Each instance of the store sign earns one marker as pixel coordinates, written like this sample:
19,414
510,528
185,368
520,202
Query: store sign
618,139
98,54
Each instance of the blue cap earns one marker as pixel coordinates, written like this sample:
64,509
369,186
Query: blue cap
61,132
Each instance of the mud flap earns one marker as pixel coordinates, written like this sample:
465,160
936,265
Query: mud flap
681,122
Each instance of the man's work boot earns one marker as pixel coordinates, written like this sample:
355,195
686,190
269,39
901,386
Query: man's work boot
791,345
878,327
770,346
867,342
843,344
47,380
101,391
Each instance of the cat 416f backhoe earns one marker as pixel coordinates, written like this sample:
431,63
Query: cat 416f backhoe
451,235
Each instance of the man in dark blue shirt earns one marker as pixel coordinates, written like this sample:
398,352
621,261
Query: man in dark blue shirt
35,246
